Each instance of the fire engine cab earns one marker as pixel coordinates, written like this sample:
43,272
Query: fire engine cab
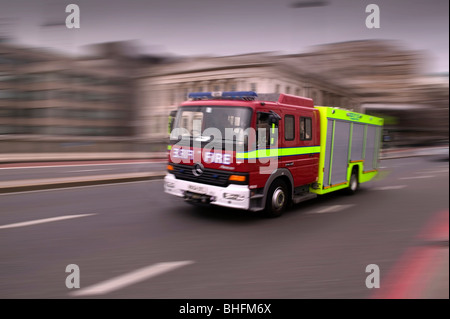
262,152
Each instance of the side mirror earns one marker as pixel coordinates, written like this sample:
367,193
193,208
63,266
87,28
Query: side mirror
274,118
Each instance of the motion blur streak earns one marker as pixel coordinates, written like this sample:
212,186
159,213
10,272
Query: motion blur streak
419,266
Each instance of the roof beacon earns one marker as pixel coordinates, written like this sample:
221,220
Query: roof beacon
219,95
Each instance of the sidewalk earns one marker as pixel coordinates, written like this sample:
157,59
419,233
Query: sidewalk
50,183
392,153
60,157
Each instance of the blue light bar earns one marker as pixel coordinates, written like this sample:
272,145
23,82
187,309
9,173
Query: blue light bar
240,94
200,96
230,95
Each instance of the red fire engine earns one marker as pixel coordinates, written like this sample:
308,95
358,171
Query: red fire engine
261,152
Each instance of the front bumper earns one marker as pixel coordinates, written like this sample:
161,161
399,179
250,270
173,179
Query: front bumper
233,196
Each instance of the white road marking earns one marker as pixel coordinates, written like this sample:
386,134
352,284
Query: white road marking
334,209
418,177
436,171
42,221
130,278
75,187
384,188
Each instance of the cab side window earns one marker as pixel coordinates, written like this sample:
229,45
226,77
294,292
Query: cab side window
305,128
289,127
263,128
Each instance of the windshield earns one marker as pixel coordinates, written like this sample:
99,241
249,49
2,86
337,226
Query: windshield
225,124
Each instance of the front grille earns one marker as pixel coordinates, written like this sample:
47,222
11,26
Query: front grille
210,176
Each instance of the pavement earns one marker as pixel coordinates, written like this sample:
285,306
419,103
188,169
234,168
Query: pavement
61,157
61,182
436,286
391,153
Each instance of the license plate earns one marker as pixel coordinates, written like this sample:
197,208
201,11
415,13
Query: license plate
197,189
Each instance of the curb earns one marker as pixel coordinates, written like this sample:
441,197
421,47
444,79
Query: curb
401,156
387,157
42,184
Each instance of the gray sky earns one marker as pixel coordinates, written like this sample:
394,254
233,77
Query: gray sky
203,27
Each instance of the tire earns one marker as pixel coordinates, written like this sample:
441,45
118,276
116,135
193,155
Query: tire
353,184
277,199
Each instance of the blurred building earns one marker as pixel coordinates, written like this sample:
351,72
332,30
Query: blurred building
390,81
50,102
118,100
164,87
378,71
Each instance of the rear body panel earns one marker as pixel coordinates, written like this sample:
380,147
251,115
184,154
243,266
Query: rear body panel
348,139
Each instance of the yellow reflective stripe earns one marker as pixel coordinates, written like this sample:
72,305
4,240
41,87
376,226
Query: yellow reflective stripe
299,150
271,152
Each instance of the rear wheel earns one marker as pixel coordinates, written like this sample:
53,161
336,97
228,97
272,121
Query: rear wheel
354,183
277,199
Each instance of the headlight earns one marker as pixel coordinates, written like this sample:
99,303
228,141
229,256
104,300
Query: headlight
236,197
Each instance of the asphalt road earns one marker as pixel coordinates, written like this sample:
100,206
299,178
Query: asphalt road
56,170
317,249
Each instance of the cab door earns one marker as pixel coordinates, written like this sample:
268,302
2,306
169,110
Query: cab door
298,149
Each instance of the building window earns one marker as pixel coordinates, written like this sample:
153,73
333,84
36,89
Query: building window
305,128
172,97
7,129
288,90
7,112
297,91
277,88
39,112
253,87
314,96
7,95
289,127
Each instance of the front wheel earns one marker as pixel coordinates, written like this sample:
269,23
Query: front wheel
277,199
